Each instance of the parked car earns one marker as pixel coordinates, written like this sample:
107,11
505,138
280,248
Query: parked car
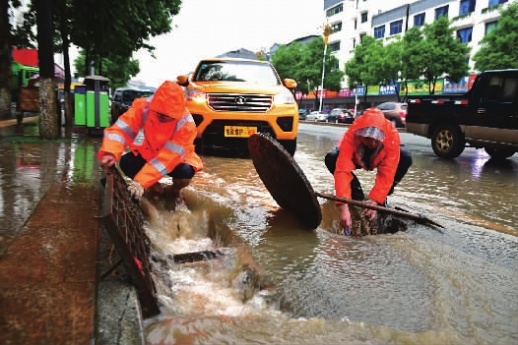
341,115
302,114
231,98
317,116
394,112
123,98
359,112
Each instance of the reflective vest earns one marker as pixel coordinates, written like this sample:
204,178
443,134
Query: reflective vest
162,144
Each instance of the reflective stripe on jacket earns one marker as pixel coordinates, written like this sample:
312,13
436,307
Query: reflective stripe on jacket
162,144
385,159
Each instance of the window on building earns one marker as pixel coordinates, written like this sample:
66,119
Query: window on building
365,17
362,36
496,2
335,10
354,42
396,27
355,24
467,6
334,47
336,27
419,19
490,27
379,31
441,11
464,35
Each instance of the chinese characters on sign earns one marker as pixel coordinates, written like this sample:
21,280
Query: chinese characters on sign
239,132
414,88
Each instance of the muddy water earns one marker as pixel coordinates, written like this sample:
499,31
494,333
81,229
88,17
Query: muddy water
417,287
422,286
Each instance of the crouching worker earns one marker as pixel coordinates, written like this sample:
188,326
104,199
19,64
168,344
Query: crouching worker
165,149
371,142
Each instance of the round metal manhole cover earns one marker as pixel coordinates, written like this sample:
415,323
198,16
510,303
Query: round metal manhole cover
284,179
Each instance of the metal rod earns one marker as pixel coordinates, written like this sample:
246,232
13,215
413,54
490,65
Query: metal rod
417,217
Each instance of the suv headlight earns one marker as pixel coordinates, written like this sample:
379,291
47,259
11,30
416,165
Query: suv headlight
284,97
195,95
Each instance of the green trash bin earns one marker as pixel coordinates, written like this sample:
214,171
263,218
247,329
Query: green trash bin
97,103
80,105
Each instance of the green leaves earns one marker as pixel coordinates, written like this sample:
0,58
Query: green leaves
427,53
304,64
499,48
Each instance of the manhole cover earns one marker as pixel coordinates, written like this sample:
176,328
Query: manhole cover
284,179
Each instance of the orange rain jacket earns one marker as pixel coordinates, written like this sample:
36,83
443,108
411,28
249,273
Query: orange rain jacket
385,160
162,144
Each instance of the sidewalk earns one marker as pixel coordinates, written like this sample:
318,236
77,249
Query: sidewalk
53,249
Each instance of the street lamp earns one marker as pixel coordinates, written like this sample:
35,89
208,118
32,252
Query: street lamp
326,33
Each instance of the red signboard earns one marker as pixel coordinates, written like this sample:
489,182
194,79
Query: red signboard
27,57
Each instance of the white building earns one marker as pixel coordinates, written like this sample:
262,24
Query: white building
352,19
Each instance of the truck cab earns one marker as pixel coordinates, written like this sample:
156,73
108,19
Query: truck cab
484,117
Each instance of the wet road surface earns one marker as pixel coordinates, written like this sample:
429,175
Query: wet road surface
415,287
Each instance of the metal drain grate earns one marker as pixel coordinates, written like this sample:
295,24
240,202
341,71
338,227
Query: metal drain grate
124,222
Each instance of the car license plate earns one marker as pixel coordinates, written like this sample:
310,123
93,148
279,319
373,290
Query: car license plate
239,131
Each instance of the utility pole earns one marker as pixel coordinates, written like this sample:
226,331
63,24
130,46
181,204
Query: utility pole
326,33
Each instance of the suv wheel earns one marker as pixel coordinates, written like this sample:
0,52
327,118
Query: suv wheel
448,141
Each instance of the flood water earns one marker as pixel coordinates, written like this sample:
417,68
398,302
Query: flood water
276,282
421,286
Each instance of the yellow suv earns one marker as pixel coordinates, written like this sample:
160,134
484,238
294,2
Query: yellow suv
230,99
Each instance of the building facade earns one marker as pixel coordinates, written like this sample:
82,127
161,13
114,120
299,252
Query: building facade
350,20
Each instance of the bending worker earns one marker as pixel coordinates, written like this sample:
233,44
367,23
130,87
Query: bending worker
166,148
371,142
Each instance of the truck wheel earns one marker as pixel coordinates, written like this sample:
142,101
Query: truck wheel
499,153
394,122
448,141
289,145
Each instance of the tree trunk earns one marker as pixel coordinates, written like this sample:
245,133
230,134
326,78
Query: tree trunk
48,112
48,115
5,62
69,121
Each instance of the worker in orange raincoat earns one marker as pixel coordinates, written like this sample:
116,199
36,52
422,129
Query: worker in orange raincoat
159,132
371,142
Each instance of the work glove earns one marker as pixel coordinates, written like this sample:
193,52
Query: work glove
136,190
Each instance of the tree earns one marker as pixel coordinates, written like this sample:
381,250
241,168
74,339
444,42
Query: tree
107,29
312,63
304,63
5,56
48,115
411,58
383,64
412,61
62,12
287,60
366,63
118,69
5,63
499,48
104,29
442,53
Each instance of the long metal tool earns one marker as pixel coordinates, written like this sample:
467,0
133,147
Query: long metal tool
416,217
290,188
